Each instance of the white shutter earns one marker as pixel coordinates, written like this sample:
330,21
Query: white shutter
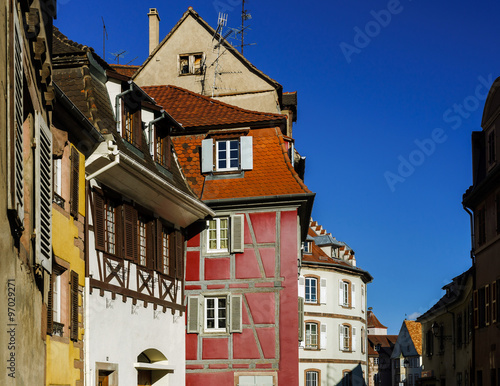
322,294
353,296
193,314
236,303
237,233
323,336
354,339
363,302
301,321
341,337
302,288
17,182
341,292
207,155
43,194
246,146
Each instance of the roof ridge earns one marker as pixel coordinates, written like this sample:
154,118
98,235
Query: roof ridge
63,38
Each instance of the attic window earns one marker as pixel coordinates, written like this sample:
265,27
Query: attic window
191,64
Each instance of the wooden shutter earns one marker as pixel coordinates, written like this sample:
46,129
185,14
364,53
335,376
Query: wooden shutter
17,180
354,339
236,303
323,292
98,221
323,336
130,232
476,311
137,128
246,146
74,306
302,290
341,292
207,155
353,295
179,255
487,310
301,319
43,194
75,182
50,306
237,235
150,247
159,246
193,314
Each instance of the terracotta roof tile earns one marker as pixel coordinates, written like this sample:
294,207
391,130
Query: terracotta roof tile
373,322
415,330
195,110
124,69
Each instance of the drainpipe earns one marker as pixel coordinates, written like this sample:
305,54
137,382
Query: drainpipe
150,127
117,103
472,237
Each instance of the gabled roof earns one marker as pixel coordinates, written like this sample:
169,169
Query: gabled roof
386,343
123,69
415,331
373,322
193,110
192,13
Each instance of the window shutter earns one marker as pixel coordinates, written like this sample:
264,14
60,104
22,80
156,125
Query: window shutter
193,314
353,295
246,146
98,220
17,184
341,337
50,306
150,247
301,320
341,292
322,336
43,194
74,306
354,339
494,302
476,311
130,232
323,292
179,255
207,155
137,128
302,289
363,305
237,233
159,246
236,303
75,181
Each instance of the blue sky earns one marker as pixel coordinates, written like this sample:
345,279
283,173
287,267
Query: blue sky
389,93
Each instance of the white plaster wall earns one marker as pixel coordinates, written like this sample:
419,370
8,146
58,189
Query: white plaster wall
118,332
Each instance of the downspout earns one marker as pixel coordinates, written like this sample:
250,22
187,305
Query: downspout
150,127
472,237
117,103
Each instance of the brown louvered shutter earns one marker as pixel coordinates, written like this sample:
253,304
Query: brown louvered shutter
75,182
137,128
130,232
158,246
476,311
74,306
99,218
179,255
150,248
50,306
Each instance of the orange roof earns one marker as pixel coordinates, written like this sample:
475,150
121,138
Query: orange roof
272,172
373,322
415,331
198,111
124,69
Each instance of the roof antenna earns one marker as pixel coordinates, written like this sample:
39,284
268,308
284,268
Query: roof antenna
118,55
104,38
221,23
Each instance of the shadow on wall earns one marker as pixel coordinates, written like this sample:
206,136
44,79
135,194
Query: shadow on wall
353,378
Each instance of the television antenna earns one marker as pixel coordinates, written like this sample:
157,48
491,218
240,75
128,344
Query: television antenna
118,55
221,23
104,38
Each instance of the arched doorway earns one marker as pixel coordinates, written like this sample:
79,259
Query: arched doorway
152,367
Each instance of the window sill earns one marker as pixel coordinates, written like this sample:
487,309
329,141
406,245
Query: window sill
220,175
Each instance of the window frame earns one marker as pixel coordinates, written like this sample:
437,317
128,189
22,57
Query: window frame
228,159
316,299
132,125
218,237
216,317
313,382
307,340
345,327
192,68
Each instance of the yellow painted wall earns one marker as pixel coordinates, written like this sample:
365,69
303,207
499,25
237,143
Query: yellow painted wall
60,358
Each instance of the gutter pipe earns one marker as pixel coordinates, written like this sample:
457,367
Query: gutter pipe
472,237
117,103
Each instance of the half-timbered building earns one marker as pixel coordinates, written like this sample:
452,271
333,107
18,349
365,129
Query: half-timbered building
140,211
241,271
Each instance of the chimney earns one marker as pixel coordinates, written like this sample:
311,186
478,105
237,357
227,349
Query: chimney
154,29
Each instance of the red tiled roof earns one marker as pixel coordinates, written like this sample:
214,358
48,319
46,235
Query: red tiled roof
272,172
373,322
386,342
198,111
124,69
415,331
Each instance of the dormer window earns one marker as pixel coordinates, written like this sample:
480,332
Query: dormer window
132,126
235,154
191,64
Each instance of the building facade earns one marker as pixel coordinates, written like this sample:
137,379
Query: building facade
406,358
241,271
481,202
332,296
380,346
25,188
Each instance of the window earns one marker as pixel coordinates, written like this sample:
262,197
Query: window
75,182
132,125
347,337
482,306
346,294
164,252
214,314
363,340
481,226
218,234
312,335
410,380
429,343
142,238
487,305
162,150
251,379
308,247
55,321
313,378
191,64
229,154
346,378
376,361
311,290
110,226
57,176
